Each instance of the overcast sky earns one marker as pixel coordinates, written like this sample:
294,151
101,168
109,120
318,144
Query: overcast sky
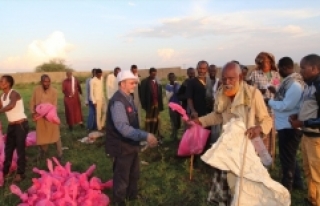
160,33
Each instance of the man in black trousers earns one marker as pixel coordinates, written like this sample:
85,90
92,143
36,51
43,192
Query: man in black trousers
287,102
12,105
123,139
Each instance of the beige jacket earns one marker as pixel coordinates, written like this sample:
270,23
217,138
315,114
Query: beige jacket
224,109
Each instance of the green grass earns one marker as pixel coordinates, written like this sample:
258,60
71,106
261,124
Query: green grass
165,181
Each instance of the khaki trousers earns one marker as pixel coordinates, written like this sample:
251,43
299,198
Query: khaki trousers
101,113
311,165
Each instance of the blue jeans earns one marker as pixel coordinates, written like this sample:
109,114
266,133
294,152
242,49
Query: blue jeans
92,120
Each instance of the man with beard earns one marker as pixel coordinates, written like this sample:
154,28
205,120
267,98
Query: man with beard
196,94
196,91
46,132
287,102
123,139
232,101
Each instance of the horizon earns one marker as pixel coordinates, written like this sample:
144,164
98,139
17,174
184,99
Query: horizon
107,34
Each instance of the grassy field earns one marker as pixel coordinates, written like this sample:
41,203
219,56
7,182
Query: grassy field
165,181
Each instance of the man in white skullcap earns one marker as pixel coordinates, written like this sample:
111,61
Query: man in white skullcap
123,139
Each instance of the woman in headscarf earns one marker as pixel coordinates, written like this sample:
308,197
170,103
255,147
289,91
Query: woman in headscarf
266,74
267,79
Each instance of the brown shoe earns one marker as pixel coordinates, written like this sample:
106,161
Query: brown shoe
19,178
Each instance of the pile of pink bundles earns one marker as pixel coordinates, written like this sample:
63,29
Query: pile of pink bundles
47,111
61,186
194,139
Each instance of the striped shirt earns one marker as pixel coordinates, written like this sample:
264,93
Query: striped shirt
121,121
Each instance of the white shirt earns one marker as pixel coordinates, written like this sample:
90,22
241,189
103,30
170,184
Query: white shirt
96,89
111,85
16,113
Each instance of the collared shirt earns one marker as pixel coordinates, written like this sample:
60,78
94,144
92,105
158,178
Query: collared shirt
96,89
111,85
225,109
121,121
309,107
263,81
288,106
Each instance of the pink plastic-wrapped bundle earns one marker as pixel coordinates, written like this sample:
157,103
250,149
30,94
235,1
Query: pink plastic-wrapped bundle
194,139
48,111
61,186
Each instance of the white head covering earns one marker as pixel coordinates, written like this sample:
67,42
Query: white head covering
126,74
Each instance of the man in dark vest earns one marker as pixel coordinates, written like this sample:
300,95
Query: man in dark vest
123,139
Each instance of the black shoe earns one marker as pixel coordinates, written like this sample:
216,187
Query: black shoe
299,187
82,126
307,202
70,128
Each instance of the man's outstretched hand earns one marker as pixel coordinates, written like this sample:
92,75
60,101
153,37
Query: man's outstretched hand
152,140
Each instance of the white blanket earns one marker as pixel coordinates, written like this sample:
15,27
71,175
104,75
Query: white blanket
258,188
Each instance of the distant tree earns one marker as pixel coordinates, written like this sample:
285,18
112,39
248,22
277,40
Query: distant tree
54,65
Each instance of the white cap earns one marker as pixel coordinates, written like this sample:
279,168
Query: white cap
126,74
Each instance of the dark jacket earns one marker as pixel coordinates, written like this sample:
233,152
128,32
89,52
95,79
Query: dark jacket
314,123
116,144
182,94
145,94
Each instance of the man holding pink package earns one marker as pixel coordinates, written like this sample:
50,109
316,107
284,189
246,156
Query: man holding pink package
232,101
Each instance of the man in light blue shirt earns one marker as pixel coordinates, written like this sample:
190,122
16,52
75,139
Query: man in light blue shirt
286,103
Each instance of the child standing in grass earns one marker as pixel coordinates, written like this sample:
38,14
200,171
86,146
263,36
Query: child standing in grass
172,89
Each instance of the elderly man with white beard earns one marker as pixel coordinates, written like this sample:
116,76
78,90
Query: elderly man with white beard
232,101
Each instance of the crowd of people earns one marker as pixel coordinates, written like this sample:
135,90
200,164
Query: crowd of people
115,106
